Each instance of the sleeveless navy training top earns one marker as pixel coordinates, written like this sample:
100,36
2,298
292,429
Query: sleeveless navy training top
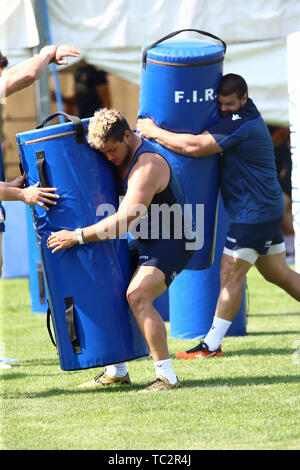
168,215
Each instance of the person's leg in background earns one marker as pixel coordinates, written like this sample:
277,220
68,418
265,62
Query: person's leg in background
5,362
288,229
232,274
274,269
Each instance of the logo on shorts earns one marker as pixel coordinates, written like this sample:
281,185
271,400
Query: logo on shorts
173,275
2,218
233,240
268,243
144,258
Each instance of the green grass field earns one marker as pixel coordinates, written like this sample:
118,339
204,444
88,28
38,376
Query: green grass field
247,399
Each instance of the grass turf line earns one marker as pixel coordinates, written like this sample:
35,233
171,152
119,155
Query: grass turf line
247,399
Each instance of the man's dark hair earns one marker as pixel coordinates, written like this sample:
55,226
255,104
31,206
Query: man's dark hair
232,83
3,61
118,130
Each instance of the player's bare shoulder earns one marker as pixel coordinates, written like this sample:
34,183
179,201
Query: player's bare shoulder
153,160
152,167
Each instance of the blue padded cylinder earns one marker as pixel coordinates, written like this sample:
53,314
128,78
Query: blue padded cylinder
194,295
179,80
86,284
162,305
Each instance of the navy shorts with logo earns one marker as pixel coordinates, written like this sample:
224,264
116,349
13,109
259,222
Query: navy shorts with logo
169,256
256,236
2,218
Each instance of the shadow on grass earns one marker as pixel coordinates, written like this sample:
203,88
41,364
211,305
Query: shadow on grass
289,314
54,392
259,352
12,376
39,362
194,383
273,333
243,381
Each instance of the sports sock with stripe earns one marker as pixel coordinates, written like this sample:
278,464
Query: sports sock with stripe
216,333
165,368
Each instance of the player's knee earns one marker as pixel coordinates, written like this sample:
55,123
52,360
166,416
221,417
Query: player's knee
136,298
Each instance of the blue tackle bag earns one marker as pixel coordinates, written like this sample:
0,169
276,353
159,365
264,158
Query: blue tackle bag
86,284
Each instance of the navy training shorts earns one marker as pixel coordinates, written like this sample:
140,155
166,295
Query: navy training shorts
170,256
259,237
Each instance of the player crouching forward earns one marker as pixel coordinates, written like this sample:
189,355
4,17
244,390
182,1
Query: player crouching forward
146,179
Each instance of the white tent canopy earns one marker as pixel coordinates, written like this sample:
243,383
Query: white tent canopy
111,34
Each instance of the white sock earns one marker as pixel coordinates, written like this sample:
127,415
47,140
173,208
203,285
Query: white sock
8,360
165,369
217,332
116,370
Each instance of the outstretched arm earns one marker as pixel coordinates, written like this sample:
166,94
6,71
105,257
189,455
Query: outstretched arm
190,145
15,191
25,73
145,180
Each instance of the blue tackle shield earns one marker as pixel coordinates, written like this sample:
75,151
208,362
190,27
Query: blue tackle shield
86,284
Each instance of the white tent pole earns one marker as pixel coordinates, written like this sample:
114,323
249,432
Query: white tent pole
293,63
42,94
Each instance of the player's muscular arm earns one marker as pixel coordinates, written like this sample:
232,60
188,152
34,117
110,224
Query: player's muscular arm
185,144
149,176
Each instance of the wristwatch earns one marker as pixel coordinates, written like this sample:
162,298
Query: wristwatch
78,233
